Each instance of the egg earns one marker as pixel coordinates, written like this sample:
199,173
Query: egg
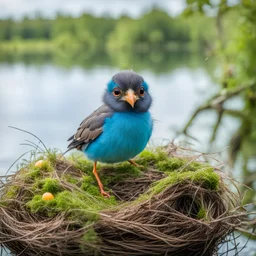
39,163
47,196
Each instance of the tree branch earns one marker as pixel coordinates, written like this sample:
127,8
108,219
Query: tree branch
217,100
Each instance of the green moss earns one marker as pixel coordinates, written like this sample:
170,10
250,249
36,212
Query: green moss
89,185
89,242
51,185
84,165
205,177
114,173
119,172
47,185
46,166
171,164
34,173
180,164
147,158
248,196
71,179
52,155
37,204
201,213
77,204
11,192
90,236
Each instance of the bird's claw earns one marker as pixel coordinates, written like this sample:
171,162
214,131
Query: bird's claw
135,164
103,193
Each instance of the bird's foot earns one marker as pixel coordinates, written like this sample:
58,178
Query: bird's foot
135,164
103,193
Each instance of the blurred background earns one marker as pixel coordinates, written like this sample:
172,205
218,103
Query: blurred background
198,56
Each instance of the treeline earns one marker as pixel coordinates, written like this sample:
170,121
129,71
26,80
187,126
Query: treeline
153,30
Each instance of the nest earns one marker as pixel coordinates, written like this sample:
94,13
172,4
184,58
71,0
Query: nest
148,214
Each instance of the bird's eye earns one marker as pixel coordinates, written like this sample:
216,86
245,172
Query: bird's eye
117,92
141,91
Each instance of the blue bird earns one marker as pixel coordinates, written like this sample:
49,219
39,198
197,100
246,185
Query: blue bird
120,129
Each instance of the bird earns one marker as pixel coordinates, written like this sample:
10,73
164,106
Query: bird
119,129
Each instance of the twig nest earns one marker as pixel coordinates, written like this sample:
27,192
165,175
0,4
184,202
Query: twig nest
174,206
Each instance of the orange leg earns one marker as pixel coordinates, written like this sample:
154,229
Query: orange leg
135,164
98,180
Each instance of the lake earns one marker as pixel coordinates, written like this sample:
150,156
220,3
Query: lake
50,99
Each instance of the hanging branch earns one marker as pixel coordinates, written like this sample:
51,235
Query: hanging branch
217,101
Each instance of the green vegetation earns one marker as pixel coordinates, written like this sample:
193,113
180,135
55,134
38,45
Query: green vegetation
235,47
154,41
89,35
202,213
207,178
75,189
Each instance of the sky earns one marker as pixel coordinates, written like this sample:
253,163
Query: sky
115,8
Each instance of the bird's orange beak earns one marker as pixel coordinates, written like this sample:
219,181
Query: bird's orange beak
130,97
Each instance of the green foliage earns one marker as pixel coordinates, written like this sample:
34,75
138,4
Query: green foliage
149,158
90,236
71,36
202,213
83,164
176,163
71,179
12,192
78,205
52,155
152,31
179,170
34,173
154,41
115,173
46,166
37,204
120,172
90,186
168,164
50,185
206,177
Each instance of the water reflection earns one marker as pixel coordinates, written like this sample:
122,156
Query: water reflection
156,62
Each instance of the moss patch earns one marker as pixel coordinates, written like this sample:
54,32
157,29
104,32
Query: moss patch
150,158
78,205
205,177
202,213
50,185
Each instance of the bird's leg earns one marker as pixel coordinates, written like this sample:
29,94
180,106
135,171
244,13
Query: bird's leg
135,164
98,180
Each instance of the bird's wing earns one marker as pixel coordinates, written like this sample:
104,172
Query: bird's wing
90,128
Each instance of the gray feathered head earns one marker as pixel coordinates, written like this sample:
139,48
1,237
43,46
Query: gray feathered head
127,91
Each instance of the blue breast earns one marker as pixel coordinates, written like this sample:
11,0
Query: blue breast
124,136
